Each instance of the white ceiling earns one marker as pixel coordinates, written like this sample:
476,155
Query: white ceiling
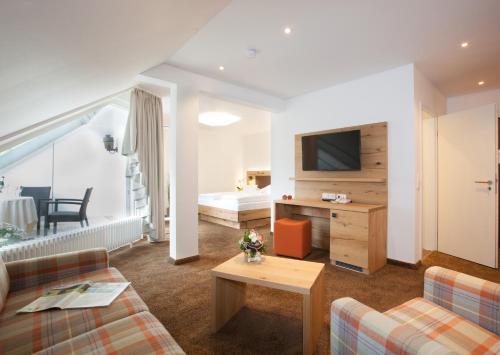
253,121
334,41
57,55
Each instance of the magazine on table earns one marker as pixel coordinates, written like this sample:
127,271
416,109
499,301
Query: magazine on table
80,295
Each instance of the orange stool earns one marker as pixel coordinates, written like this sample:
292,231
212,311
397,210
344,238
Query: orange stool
292,237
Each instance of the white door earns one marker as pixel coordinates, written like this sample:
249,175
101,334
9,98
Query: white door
467,186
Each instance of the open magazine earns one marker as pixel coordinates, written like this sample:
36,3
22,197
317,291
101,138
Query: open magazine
80,295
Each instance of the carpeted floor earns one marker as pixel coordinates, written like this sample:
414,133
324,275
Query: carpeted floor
271,323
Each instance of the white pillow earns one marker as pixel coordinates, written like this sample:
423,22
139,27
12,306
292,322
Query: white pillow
266,190
250,188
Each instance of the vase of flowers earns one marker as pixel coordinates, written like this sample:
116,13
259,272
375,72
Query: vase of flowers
253,246
9,232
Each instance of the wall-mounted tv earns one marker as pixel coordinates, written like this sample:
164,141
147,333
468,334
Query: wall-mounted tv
340,151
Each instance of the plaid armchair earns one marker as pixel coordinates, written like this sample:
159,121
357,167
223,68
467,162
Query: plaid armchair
123,327
458,314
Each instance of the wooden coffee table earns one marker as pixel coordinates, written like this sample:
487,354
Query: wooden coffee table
306,278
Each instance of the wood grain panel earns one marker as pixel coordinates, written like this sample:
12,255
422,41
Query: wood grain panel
373,153
350,225
378,240
354,252
218,212
222,222
254,214
320,230
369,193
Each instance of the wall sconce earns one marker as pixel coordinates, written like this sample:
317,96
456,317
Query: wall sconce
2,183
109,143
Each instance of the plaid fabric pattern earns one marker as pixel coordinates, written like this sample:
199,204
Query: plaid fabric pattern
449,329
37,271
138,334
4,283
474,299
358,329
31,332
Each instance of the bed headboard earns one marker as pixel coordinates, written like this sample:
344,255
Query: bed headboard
261,178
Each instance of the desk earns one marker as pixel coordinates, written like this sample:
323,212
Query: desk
355,234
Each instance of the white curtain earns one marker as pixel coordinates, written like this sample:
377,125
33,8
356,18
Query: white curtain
144,141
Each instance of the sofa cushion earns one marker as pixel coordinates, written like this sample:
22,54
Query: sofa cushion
140,334
450,329
31,332
4,283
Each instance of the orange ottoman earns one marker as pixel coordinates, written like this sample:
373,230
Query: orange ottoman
292,237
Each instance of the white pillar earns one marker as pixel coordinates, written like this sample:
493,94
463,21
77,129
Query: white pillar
183,155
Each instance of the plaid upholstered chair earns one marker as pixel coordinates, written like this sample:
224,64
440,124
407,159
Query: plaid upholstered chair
124,327
458,314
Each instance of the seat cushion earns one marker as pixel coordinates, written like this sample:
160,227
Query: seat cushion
450,329
31,332
140,334
4,283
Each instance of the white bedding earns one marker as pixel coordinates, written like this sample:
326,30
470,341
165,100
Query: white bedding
237,201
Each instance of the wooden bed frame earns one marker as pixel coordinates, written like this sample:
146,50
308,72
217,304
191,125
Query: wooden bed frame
241,219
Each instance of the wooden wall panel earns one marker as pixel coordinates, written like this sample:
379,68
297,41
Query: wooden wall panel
359,192
373,166
373,153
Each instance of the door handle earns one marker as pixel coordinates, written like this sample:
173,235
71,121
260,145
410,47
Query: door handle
489,182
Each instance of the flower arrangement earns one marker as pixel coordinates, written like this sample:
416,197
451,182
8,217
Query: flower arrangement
8,231
253,245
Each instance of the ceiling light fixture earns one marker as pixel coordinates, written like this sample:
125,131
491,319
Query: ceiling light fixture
221,68
465,44
217,119
480,83
287,30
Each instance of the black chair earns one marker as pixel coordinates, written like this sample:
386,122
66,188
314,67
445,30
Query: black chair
68,216
40,195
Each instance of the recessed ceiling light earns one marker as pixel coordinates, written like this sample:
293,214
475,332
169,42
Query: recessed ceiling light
287,30
221,68
465,44
480,83
214,118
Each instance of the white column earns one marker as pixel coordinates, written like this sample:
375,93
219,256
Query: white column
183,155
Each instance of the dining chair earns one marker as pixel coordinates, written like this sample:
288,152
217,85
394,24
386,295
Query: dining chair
56,216
40,195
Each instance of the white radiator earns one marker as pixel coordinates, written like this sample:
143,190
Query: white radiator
110,235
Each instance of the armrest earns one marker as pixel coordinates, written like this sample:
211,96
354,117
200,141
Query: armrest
69,199
359,329
473,298
37,271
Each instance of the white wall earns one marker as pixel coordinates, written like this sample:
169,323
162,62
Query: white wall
429,103
226,153
386,96
81,161
464,102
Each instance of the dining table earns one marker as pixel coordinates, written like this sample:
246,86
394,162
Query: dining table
19,211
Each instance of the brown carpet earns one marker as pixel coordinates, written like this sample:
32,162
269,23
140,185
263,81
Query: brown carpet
271,323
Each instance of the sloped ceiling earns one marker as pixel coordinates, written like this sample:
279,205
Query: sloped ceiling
57,55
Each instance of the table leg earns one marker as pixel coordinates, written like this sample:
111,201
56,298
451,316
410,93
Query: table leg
228,297
313,316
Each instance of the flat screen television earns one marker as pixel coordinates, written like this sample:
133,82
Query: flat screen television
339,151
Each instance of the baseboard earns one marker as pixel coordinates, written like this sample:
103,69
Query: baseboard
404,264
183,260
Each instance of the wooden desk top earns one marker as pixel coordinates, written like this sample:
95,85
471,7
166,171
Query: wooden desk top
274,272
355,207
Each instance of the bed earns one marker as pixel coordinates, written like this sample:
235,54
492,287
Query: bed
250,208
